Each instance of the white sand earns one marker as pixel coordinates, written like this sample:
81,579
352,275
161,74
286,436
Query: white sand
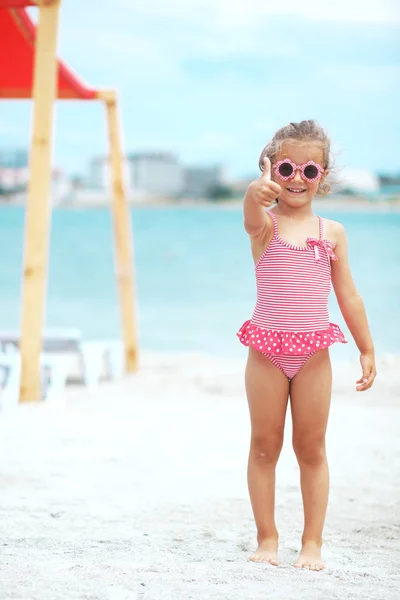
138,491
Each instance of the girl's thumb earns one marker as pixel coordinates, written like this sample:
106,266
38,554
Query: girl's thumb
267,168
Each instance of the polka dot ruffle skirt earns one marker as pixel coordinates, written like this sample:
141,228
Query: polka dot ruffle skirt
272,341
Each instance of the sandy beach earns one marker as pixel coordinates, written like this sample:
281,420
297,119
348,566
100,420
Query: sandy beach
138,491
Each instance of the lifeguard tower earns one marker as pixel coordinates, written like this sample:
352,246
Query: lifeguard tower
29,69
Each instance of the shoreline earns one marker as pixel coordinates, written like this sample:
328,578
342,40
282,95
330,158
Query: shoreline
342,204
331,203
224,375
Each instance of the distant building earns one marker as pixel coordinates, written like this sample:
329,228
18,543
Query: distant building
156,175
61,187
239,186
146,175
199,180
390,184
14,171
97,177
15,158
389,180
100,174
356,181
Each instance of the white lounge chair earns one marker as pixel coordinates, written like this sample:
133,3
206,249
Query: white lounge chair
89,361
54,371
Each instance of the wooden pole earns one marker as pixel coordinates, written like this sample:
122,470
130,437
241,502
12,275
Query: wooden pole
123,244
38,210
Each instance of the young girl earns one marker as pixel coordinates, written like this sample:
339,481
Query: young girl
297,255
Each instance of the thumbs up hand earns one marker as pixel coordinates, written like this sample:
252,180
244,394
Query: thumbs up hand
267,168
263,190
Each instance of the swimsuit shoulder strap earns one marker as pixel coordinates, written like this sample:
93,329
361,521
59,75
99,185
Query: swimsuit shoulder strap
321,228
275,222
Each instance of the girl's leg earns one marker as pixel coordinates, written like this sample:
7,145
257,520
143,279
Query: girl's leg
267,391
310,395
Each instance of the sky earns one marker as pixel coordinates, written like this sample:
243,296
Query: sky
212,80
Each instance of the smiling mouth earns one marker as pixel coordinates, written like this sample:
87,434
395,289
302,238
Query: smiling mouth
296,190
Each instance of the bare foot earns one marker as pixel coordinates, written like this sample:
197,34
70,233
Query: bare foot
267,552
310,557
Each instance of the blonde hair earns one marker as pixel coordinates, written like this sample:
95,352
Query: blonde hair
305,132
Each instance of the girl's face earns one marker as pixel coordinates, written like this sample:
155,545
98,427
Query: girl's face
298,191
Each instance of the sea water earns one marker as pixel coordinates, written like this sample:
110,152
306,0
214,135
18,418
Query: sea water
194,275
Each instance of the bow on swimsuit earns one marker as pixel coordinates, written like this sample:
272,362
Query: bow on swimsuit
291,320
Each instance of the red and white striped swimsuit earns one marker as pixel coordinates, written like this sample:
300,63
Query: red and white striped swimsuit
291,320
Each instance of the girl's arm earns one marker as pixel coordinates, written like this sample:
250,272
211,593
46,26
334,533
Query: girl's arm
254,215
352,308
260,194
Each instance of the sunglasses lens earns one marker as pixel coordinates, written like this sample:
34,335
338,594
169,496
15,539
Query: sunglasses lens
285,169
311,172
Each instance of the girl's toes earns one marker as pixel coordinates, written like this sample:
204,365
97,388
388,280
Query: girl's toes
274,562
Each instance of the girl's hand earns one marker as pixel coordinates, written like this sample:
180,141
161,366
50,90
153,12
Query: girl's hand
263,191
368,372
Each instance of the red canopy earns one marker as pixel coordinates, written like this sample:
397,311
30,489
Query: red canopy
17,47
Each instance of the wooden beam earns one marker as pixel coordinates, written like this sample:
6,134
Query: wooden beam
38,210
123,244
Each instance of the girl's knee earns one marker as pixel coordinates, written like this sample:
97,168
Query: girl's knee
266,449
310,451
